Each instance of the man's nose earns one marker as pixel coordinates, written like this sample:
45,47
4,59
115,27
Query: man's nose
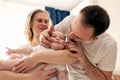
70,36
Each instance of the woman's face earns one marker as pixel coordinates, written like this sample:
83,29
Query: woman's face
40,22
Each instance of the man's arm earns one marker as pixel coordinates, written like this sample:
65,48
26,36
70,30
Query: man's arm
93,72
107,64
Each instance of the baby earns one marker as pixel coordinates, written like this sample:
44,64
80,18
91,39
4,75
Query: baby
57,44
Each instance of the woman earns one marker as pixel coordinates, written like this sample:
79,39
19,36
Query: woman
37,21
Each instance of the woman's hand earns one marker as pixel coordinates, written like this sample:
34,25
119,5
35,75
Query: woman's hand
39,73
45,37
24,65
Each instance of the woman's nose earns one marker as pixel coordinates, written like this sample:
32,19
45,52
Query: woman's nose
43,23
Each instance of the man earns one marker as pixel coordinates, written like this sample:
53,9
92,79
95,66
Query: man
95,50
97,61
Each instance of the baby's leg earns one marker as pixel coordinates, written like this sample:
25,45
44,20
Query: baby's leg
10,63
62,75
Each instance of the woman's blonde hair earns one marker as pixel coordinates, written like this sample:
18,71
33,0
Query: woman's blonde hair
28,25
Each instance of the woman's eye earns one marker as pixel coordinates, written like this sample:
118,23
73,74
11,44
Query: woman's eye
46,21
39,20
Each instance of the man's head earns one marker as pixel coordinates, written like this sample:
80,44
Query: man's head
90,23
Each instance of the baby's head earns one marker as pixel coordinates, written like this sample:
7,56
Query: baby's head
58,41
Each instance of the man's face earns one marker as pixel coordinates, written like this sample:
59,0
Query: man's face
80,32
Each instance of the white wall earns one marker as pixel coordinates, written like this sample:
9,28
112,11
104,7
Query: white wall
84,3
112,7
76,10
12,21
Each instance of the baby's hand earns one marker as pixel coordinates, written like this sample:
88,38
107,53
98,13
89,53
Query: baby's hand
10,51
24,65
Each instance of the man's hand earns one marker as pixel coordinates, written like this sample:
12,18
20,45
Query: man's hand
39,74
45,38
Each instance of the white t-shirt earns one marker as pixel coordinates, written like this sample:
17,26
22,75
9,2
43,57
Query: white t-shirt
101,53
50,66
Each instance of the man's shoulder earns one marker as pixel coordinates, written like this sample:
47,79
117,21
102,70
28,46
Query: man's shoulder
64,25
104,45
106,40
70,17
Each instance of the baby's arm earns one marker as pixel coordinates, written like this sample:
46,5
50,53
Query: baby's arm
62,75
25,51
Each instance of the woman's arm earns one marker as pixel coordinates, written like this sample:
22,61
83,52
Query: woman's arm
9,75
36,74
